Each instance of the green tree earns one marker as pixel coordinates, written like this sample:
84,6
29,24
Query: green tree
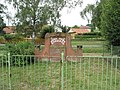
2,8
2,24
96,18
34,14
46,29
110,19
106,16
75,26
65,29
92,10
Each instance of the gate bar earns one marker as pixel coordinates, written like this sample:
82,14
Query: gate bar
9,75
62,76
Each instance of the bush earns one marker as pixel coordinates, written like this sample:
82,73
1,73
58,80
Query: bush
21,48
13,38
2,39
90,36
9,36
86,36
46,29
93,33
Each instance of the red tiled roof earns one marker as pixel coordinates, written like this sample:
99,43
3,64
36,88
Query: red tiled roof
9,29
84,27
80,31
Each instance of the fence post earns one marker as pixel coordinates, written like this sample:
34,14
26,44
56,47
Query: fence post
62,71
9,75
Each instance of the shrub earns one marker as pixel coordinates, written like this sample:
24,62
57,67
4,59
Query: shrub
93,33
2,39
13,38
46,29
90,36
21,48
9,36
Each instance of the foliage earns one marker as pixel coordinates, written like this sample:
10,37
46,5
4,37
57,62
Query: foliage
2,39
2,11
93,33
65,29
9,36
86,36
2,8
21,48
46,29
91,26
89,9
33,14
13,37
96,18
2,24
90,36
105,16
110,19
94,11
75,26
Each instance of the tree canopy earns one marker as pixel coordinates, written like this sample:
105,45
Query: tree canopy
33,14
110,19
106,16
2,24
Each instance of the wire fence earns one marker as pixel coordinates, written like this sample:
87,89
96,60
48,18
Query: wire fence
28,72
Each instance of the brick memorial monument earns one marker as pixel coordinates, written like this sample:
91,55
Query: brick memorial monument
55,43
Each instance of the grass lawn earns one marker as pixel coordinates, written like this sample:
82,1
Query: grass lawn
87,42
85,74
92,47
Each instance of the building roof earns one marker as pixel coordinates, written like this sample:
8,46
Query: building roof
85,27
9,29
79,31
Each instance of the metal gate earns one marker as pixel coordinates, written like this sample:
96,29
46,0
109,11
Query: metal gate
26,72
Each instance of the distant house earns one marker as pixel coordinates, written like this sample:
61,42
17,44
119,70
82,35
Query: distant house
85,28
9,29
79,31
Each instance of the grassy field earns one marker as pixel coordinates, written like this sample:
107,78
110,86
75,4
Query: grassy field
88,42
93,47
85,74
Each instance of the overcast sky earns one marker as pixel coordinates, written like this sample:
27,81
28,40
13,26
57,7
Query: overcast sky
73,18
67,18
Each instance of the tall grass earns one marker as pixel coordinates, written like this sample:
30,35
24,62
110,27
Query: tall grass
84,74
